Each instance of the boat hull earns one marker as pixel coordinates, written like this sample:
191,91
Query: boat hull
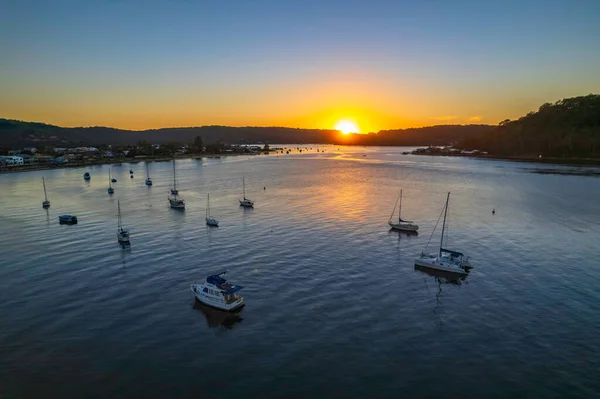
403,226
214,306
46,204
435,264
212,222
67,220
247,204
177,205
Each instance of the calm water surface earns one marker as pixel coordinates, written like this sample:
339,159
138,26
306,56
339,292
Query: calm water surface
335,308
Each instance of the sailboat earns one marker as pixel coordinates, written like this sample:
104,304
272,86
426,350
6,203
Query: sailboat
445,260
148,179
210,220
122,234
403,225
246,202
45,203
110,189
174,189
176,203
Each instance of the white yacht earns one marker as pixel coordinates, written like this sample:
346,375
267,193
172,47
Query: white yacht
218,293
122,234
402,225
209,219
246,202
445,260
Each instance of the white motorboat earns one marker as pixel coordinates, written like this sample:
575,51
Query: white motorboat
445,260
122,234
45,202
210,220
402,225
245,202
218,293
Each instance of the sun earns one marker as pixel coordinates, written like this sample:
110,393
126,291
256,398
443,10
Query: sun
345,126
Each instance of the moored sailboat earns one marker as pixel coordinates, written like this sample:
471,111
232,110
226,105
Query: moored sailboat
245,202
45,202
402,225
174,190
176,203
122,234
445,260
148,179
209,219
110,189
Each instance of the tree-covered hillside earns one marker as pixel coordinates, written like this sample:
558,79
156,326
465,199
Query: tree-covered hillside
569,128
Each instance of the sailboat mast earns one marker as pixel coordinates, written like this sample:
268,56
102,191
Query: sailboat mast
208,206
147,171
400,208
244,185
109,179
444,225
45,195
174,182
119,215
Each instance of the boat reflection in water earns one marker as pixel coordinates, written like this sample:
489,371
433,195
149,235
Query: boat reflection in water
441,278
404,233
218,318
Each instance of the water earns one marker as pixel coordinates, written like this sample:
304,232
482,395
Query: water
334,308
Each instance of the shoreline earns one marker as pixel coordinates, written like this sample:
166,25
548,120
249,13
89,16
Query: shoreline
548,160
77,164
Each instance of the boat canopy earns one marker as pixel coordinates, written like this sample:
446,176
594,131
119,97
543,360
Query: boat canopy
216,279
453,253
232,290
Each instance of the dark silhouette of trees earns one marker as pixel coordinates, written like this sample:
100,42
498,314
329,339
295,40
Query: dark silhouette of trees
569,128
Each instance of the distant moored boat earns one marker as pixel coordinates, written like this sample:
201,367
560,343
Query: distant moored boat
45,203
67,219
247,203
148,179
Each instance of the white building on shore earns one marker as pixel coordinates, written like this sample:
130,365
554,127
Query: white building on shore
12,159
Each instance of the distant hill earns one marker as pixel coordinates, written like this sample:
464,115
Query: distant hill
569,128
14,134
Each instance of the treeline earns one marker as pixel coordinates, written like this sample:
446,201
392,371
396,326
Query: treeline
569,128
14,134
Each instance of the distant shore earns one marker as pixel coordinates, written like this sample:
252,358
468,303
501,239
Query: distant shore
436,152
105,161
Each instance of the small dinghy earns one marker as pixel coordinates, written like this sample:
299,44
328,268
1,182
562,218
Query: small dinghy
67,219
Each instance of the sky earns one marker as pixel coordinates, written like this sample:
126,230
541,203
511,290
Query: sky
380,64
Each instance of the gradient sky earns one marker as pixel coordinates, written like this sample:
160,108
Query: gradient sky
383,64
